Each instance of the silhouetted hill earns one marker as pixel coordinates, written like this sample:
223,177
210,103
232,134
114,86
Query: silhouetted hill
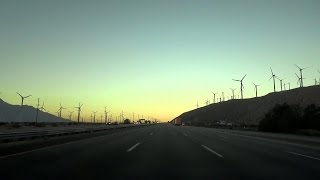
251,111
16,113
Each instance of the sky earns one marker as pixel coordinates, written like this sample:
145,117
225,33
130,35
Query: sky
155,59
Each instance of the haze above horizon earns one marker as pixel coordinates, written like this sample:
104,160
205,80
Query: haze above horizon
154,58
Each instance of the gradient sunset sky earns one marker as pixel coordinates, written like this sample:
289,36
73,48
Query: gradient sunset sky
154,58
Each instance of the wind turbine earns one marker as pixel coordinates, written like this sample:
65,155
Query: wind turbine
289,85
232,93
79,110
315,81
241,85
60,110
106,114
280,82
94,116
196,105
42,107
319,77
256,88
301,78
37,110
70,114
22,98
123,117
214,97
273,76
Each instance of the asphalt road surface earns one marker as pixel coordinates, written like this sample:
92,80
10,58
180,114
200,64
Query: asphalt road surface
165,151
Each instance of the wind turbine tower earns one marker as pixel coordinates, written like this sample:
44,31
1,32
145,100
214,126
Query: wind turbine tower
299,80
94,116
273,76
280,82
232,93
60,110
256,88
79,110
241,85
70,114
319,77
106,114
214,97
37,110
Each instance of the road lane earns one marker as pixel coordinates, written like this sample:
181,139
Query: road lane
267,159
165,151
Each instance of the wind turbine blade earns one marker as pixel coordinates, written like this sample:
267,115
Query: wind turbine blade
235,80
297,66
19,95
297,75
27,96
271,71
243,77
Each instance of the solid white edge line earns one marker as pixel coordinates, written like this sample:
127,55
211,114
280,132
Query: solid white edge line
185,134
130,149
212,151
303,155
34,150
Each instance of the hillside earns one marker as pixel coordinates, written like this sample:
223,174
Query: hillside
251,111
16,113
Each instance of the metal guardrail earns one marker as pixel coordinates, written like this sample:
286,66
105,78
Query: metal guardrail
33,134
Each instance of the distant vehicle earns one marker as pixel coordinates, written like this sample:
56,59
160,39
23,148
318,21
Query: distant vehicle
229,124
222,123
177,121
108,123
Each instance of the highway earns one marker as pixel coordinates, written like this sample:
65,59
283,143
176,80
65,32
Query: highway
164,151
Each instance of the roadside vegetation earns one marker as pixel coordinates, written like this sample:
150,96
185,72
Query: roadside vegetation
286,118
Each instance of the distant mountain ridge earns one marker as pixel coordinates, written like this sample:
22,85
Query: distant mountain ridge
17,113
251,111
